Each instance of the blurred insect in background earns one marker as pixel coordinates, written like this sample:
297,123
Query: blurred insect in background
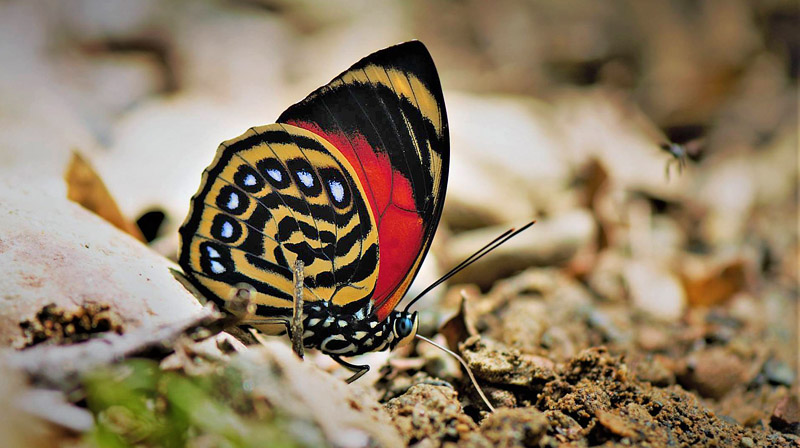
682,154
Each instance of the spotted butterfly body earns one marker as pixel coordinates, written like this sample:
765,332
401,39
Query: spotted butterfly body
350,181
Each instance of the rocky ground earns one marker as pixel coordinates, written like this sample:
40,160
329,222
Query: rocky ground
654,302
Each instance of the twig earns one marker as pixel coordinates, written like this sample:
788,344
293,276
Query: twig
297,314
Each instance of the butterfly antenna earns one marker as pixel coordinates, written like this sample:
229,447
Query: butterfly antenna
463,363
492,245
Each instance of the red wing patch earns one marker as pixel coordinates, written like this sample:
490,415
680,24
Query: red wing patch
390,196
386,116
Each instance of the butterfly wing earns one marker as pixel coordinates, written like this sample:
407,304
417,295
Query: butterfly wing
276,194
386,116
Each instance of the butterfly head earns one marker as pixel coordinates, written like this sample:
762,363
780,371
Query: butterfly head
404,327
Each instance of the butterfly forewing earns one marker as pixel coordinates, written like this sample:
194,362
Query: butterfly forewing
276,194
386,116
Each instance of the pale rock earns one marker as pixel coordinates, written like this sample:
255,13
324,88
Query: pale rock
713,372
554,240
232,78
776,168
478,196
596,125
729,193
304,393
38,125
654,290
606,278
98,19
428,273
235,54
54,251
104,86
512,138
652,236
348,31
524,323
18,427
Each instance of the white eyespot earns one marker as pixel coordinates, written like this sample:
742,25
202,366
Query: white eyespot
328,322
313,321
378,334
227,230
212,252
307,334
359,334
368,342
217,267
250,180
275,174
342,323
306,178
373,324
337,190
233,201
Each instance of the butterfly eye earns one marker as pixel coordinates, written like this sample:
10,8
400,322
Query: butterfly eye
404,326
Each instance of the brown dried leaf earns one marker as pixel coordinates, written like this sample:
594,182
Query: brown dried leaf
459,327
85,187
715,285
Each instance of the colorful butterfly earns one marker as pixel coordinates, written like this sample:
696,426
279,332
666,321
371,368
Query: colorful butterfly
351,181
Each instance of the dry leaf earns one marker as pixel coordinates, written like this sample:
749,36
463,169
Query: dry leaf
715,284
459,327
85,187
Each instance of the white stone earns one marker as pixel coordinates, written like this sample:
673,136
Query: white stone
551,241
54,251
513,139
655,290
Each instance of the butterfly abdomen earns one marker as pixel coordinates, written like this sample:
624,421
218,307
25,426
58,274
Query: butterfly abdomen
345,333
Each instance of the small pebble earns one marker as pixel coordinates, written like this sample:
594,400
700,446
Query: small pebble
786,416
714,372
778,372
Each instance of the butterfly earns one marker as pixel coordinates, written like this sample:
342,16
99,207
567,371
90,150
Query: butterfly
351,182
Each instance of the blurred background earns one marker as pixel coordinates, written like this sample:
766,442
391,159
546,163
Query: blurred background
563,111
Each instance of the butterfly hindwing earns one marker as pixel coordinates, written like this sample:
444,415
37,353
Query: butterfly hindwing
273,195
386,116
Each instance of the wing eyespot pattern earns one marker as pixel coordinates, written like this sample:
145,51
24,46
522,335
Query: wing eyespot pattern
226,229
248,179
304,177
275,195
232,200
274,172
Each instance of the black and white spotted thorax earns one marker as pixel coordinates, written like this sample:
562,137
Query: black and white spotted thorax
350,334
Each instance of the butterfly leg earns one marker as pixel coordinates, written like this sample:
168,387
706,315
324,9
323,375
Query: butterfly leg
359,370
